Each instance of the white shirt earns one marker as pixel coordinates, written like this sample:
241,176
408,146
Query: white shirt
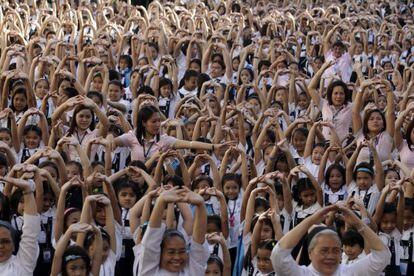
346,261
373,264
370,197
24,262
149,263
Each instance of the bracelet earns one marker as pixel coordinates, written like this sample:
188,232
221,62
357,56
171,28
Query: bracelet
27,193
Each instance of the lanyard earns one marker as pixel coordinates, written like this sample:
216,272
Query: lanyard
80,139
146,153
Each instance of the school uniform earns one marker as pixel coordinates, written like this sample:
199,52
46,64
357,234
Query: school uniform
330,197
300,213
167,105
392,241
149,263
347,261
125,264
407,256
44,262
369,197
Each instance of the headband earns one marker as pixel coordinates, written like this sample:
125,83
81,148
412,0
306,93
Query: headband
367,170
72,257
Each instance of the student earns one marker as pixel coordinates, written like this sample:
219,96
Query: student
353,247
161,247
190,84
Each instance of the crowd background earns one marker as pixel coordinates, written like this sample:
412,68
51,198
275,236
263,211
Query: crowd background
198,137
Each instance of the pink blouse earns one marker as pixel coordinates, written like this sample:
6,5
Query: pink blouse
406,155
341,118
143,153
383,143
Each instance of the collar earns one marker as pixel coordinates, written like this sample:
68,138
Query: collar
315,272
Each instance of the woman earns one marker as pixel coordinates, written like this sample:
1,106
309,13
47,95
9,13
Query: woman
405,143
147,140
166,252
325,248
82,124
24,262
375,125
337,108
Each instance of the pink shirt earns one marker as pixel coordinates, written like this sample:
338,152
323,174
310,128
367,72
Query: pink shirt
83,140
406,155
142,153
341,118
383,144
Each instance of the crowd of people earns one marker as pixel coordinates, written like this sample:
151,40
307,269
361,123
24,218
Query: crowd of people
217,137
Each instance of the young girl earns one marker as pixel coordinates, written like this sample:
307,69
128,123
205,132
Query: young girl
334,188
390,221
262,259
127,195
167,98
362,181
407,239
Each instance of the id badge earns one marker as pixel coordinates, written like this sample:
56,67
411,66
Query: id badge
123,251
231,220
47,255
42,237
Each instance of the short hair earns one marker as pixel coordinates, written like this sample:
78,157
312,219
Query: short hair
116,82
325,232
127,59
352,237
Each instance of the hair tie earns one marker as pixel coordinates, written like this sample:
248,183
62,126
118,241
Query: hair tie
367,170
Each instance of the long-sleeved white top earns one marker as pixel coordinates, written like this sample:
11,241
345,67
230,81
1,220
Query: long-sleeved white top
24,262
372,264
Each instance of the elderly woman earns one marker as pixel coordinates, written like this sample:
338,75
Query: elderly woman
24,262
325,249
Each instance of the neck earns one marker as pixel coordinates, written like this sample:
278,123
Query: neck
148,136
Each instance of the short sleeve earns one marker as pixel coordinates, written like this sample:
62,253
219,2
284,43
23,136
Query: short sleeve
167,141
128,139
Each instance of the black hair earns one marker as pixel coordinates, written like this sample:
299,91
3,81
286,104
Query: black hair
125,185
337,167
198,179
144,114
352,237
231,177
174,179
90,238
145,89
95,94
389,208
169,233
302,185
215,219
6,130
33,128
164,82
267,244
116,83
69,255
20,90
3,160
261,202
114,75
15,198
76,164
70,92
363,167
214,259
301,130
202,78
368,114
409,204
51,164
127,59
329,91
189,74
73,124
263,63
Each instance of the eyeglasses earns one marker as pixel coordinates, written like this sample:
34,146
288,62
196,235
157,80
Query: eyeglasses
5,241
180,252
325,251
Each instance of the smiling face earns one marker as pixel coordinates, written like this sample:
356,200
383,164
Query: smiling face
6,138
352,251
152,125
6,244
76,268
375,123
338,96
19,102
231,189
32,140
127,197
84,119
174,254
41,89
335,180
326,255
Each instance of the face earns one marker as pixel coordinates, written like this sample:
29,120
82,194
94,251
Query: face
391,177
388,222
308,197
76,268
381,102
363,180
263,260
63,85
191,83
100,215
338,96
245,77
72,218
358,49
127,198
72,171
280,201
352,251
165,91
114,92
174,255
267,232
52,171
203,184
97,83
32,140
303,101
152,126
19,102
375,123
335,180
6,244
213,269
299,141
317,154
195,66
123,64
280,95
337,51
256,105
6,138
231,189
48,201
326,255
84,119
408,219
42,88
3,172
235,64
212,228
216,70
